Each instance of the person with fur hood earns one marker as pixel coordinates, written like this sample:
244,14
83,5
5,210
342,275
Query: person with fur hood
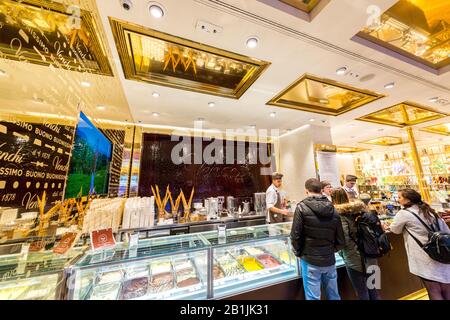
355,263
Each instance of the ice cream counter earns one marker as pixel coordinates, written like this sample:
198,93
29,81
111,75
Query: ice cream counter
207,265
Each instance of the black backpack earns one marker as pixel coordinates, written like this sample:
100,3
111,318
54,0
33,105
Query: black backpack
438,244
371,240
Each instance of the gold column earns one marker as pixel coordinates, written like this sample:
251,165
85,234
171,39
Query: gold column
423,187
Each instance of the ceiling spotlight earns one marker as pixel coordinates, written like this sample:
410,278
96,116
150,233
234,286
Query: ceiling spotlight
434,99
389,85
156,10
312,120
341,71
85,84
3,73
126,4
252,42
273,114
155,95
155,114
211,104
101,107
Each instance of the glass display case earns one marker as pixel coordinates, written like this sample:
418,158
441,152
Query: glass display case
28,275
162,268
204,265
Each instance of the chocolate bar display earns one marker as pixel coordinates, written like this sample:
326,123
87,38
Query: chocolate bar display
108,291
110,276
134,288
268,261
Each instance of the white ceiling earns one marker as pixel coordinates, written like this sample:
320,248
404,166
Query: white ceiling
292,45
290,55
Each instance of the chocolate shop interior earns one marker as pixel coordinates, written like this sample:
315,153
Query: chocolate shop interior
138,139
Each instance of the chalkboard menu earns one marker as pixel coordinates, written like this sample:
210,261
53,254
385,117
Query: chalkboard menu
33,158
235,177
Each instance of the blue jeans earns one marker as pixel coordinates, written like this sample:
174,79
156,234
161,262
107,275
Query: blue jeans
315,278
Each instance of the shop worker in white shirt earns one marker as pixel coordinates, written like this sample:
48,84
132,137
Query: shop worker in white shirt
274,201
349,187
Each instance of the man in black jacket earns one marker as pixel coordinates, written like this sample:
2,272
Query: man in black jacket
316,235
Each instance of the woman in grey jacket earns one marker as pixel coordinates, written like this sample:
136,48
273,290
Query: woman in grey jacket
355,263
435,275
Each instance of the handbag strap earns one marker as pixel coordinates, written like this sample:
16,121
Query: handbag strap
430,229
415,239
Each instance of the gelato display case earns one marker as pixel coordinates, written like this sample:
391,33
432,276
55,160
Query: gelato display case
208,265
26,275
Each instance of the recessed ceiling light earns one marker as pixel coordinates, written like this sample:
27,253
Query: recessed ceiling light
252,126
211,104
312,120
155,95
3,72
85,84
155,114
101,107
156,10
434,99
273,114
341,71
252,42
389,85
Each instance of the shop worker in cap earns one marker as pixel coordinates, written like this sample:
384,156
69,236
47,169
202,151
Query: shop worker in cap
349,187
274,201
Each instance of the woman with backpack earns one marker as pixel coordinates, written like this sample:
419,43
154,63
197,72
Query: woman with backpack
355,263
410,221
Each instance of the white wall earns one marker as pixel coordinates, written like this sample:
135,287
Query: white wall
296,157
346,165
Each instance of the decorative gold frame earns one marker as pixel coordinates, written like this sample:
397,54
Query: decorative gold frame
342,149
317,107
406,122
435,129
301,6
372,141
119,28
87,19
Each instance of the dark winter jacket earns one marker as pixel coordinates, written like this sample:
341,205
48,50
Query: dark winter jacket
348,213
317,231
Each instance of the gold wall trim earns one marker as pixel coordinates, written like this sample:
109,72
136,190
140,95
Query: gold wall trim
385,141
316,107
402,112
122,30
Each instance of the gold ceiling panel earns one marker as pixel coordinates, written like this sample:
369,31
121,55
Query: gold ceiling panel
385,141
51,36
341,149
303,5
417,29
403,114
443,128
313,94
159,58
